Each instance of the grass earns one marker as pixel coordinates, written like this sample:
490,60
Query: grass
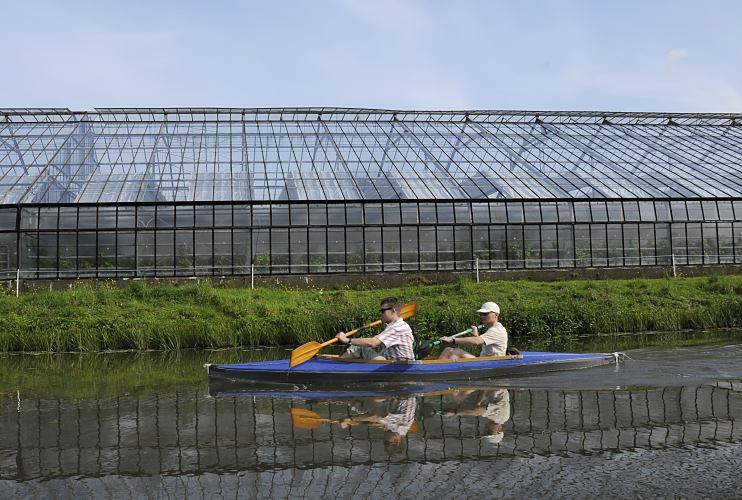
89,318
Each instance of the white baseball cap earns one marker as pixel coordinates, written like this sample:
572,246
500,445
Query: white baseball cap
489,307
494,438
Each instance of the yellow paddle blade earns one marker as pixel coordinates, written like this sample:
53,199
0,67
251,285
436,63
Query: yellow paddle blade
305,419
307,351
303,353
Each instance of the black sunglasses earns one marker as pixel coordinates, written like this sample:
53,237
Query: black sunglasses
381,311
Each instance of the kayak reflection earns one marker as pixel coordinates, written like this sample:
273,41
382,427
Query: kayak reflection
492,405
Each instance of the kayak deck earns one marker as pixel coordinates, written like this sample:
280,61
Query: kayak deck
329,369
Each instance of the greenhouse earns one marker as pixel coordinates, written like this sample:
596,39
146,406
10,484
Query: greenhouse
229,192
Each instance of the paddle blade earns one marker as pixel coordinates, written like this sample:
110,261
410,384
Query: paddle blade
305,419
303,353
408,310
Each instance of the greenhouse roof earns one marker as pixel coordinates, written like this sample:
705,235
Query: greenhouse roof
173,155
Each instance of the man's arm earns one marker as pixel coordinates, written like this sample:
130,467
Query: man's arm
368,342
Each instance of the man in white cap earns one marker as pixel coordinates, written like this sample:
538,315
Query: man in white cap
494,341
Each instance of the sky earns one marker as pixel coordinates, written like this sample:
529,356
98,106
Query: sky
595,55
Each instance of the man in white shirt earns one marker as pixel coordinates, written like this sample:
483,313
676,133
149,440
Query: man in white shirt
494,341
395,340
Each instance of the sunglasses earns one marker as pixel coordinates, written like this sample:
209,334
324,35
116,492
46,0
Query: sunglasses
381,311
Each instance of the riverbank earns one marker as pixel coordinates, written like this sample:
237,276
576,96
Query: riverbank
94,318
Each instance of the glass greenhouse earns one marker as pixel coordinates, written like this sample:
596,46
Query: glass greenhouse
189,192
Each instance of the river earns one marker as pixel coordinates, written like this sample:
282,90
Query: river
666,423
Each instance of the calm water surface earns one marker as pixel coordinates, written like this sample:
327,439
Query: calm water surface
667,423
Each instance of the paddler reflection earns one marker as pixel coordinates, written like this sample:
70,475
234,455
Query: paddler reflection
491,404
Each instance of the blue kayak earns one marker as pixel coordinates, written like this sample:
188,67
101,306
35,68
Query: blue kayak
332,369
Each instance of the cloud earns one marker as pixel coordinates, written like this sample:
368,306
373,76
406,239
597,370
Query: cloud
676,55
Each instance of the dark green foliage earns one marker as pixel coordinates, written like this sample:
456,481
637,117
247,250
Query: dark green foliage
93,318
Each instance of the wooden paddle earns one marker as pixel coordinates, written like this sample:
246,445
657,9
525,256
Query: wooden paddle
307,419
307,351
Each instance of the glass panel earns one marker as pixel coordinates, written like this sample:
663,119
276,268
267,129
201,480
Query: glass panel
427,213
354,249
549,251
615,245
107,253
646,211
204,252
373,213
67,217
695,244
146,217
30,218
48,218
392,214
165,217
299,215
184,252
598,244
566,246
615,211
242,216
280,250
8,255
737,229
391,249
261,215
354,213
582,245
532,211
679,243
710,244
183,216
725,210
146,253
463,248
223,252
125,250
694,210
549,212
662,233
663,211
446,256
86,254
599,211
222,216
262,250
566,212
480,213
165,252
47,254
709,210
481,245
737,209
87,218
317,250
646,240
498,213
445,213
373,248
532,246
462,212
726,243
428,255
582,211
631,211
498,247
336,215
515,212
336,249
631,244
409,213
67,255
126,218
279,215
409,249
242,251
678,210
515,246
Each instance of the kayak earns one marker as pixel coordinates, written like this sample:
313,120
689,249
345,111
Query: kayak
334,370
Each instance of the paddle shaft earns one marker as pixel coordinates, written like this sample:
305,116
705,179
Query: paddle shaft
468,330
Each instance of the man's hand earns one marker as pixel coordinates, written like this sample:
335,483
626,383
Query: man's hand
474,331
447,340
342,338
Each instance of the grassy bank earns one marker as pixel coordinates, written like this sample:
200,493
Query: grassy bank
87,318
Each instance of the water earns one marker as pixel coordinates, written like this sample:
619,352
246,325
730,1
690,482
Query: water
667,423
